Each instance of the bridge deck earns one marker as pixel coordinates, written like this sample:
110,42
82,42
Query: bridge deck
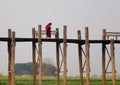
3,39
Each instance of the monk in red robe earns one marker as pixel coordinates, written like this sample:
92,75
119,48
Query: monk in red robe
48,30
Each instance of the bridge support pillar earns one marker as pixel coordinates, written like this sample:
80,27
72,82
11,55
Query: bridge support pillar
113,62
87,56
39,56
80,58
57,57
33,57
103,58
65,55
111,59
11,57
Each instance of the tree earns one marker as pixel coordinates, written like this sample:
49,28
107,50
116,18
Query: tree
26,69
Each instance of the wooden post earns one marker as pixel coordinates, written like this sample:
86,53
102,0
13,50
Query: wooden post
9,57
65,54
57,57
103,58
87,56
80,58
33,57
12,59
113,62
39,55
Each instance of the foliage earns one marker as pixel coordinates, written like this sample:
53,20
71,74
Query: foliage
52,81
48,70
26,69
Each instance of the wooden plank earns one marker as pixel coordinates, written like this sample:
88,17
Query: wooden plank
60,40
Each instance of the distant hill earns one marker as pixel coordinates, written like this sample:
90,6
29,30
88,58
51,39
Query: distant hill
26,69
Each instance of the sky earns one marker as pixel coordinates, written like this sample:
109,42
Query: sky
23,15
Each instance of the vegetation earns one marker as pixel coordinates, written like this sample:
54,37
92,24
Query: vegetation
26,69
48,76
52,81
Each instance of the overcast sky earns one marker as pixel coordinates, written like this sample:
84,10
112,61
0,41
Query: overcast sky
22,15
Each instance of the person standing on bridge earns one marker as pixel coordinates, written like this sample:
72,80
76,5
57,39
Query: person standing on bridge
48,30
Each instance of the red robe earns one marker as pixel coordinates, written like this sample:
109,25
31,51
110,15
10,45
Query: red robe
48,30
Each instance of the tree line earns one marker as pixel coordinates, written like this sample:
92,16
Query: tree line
26,69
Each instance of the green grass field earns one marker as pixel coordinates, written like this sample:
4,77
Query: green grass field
52,81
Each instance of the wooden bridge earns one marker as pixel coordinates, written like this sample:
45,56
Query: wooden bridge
84,66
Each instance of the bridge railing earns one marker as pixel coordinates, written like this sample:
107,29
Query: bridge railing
113,35
43,32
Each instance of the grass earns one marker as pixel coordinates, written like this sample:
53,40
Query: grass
52,81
